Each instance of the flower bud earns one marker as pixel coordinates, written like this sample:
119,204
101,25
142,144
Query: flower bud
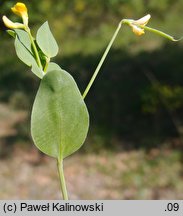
142,21
8,23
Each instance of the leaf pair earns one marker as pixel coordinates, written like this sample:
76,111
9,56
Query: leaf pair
45,42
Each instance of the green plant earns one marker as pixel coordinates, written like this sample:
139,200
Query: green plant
60,120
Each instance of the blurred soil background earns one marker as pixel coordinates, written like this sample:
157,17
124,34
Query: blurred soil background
134,149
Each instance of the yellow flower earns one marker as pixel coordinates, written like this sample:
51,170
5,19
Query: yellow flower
21,10
8,23
137,25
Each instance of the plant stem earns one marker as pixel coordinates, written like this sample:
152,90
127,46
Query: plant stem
102,60
34,48
62,179
46,65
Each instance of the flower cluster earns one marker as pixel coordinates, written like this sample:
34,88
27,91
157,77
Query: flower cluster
21,10
138,25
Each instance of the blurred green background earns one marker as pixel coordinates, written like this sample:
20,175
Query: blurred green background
135,143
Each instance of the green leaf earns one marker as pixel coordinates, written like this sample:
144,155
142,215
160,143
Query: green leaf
46,41
23,53
60,120
24,39
11,33
37,71
53,66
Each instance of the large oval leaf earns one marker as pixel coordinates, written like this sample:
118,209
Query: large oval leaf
60,120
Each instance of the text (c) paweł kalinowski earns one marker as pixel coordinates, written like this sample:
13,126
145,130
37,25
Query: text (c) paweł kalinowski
56,206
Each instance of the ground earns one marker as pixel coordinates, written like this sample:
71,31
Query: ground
126,175
25,173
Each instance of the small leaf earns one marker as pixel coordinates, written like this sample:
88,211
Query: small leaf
37,71
60,120
53,66
46,41
11,33
23,53
24,39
